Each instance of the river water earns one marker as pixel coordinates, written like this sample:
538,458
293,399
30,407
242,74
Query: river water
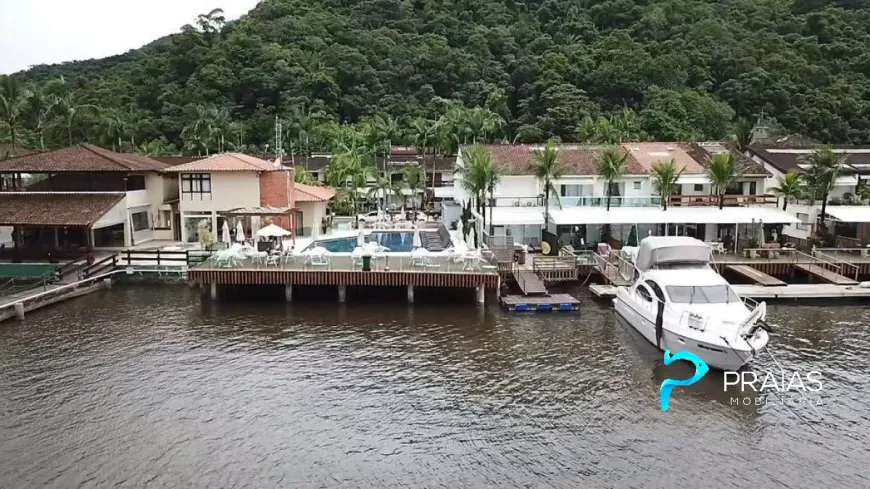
151,387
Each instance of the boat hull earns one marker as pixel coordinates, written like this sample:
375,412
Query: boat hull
715,355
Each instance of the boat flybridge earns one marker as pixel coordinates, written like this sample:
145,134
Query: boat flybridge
678,302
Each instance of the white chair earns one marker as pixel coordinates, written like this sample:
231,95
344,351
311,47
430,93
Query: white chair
356,256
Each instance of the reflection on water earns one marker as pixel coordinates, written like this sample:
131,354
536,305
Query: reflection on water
149,386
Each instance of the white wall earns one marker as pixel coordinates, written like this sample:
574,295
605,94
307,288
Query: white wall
518,186
229,190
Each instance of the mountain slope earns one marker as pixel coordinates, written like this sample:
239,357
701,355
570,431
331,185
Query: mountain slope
685,67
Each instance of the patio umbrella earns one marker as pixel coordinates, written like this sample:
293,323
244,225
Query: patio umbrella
226,233
418,243
471,241
240,232
273,231
459,235
760,233
361,238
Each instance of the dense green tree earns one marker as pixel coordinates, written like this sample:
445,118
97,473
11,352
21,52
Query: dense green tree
657,69
13,100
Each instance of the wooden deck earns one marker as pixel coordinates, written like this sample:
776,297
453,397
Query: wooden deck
802,291
825,274
756,276
603,291
555,302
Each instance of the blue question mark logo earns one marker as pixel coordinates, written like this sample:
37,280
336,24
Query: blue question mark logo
668,385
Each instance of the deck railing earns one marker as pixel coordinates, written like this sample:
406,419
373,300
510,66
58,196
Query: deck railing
845,267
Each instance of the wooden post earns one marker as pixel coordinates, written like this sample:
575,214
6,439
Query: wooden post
481,294
158,256
410,293
128,257
288,292
213,291
342,293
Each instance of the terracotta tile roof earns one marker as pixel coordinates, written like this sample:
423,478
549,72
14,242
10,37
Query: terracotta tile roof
55,209
81,157
578,159
647,154
224,162
311,193
788,159
702,151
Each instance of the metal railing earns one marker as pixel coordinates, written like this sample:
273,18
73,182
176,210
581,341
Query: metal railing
601,201
843,264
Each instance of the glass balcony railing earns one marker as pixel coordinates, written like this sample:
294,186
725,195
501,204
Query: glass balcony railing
598,201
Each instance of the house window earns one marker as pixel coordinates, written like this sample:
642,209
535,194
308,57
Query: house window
752,188
196,186
140,221
699,187
805,221
637,185
135,182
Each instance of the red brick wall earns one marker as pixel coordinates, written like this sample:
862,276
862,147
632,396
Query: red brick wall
276,188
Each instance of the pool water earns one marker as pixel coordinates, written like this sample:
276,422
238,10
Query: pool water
397,241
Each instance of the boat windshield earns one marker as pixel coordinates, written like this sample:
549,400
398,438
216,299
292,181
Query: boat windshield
701,294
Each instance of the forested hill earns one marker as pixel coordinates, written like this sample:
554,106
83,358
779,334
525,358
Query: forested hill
685,69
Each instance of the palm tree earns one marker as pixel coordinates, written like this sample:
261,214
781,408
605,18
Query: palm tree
743,134
13,97
112,125
385,130
424,134
665,176
383,184
39,110
200,132
414,179
547,167
723,173
350,171
825,167
611,166
476,175
790,186
67,106
302,125
302,175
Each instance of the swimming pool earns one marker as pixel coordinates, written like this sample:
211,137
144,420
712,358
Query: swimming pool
397,241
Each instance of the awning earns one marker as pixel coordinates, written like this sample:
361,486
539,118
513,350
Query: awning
849,213
516,216
55,209
674,215
693,180
258,211
444,192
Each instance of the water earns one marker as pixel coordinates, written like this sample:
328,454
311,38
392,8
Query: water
149,387
396,241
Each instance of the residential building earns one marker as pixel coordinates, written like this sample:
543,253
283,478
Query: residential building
84,196
855,223
580,194
249,188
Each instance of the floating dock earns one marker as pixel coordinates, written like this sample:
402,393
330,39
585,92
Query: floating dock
756,275
603,291
802,291
554,302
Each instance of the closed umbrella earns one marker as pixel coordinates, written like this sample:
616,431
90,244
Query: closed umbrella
418,243
459,235
361,238
240,232
226,233
472,243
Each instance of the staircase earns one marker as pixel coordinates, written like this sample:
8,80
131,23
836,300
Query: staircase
609,271
529,282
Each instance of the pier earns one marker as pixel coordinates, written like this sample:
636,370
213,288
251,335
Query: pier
343,271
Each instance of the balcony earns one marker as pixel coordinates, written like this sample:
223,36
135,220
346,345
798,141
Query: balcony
673,201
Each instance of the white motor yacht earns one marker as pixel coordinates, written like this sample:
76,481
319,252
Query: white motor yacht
679,303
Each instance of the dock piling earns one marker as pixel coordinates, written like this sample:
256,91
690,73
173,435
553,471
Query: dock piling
213,292
410,293
342,293
481,294
288,292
